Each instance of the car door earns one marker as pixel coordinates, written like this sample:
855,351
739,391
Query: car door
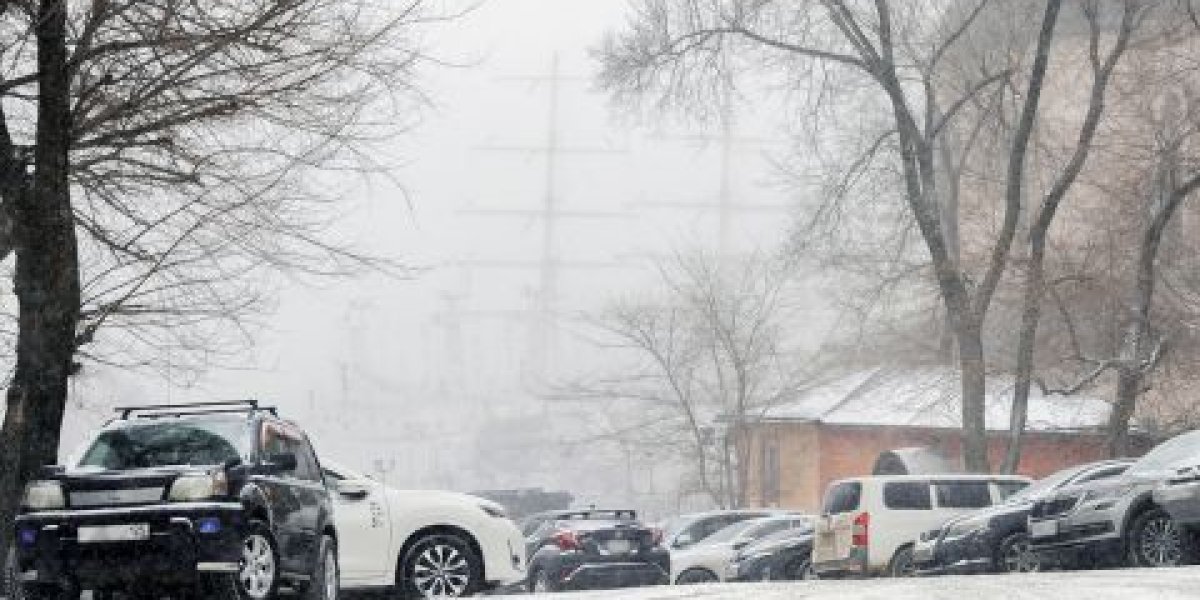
833,540
311,495
364,526
280,489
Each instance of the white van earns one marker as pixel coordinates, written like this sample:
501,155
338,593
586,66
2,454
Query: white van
868,524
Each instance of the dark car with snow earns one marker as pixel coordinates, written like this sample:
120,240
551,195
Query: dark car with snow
1118,521
594,549
782,556
996,539
219,500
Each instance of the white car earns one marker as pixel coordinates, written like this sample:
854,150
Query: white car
427,544
869,525
712,559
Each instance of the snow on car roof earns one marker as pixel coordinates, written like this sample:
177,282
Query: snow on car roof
930,397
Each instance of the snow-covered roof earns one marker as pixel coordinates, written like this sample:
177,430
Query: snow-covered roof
930,397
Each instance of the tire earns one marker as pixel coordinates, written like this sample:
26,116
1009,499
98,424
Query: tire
696,576
326,575
441,565
1155,540
902,563
14,589
797,569
539,582
1016,556
258,574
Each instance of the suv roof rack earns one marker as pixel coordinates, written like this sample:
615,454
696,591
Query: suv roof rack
158,411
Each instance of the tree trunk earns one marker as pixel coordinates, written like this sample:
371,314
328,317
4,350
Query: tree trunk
1031,314
46,281
1128,383
974,379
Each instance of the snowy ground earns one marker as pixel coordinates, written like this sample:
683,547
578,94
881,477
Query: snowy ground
1129,584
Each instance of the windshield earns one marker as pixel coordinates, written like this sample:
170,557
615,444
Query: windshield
731,532
169,443
1046,484
1170,453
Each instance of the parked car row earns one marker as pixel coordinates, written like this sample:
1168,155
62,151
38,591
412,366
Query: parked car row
228,500
1112,513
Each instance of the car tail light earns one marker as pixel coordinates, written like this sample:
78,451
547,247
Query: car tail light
860,534
566,539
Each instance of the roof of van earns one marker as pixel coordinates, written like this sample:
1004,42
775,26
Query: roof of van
937,477
930,397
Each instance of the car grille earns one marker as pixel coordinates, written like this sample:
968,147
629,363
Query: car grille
88,499
1053,507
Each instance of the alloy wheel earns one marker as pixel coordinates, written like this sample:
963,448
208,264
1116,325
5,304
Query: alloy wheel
331,576
258,570
1020,558
1160,543
441,571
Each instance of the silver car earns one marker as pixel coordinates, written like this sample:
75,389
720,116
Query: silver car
1117,521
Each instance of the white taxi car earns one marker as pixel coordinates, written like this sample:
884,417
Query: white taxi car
429,544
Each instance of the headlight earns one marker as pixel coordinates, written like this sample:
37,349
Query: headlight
1111,493
192,488
44,495
494,510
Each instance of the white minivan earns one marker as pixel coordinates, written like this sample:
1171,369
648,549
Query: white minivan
868,524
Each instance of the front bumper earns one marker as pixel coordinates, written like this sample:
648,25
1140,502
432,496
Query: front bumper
184,541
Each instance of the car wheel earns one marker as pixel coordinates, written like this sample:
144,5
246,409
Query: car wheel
1155,540
1016,555
326,579
258,571
14,589
902,563
695,576
441,566
539,583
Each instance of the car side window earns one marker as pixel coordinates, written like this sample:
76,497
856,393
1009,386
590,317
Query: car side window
963,494
275,442
1006,489
307,467
907,495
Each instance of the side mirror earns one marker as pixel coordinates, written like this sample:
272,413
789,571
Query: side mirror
277,464
352,490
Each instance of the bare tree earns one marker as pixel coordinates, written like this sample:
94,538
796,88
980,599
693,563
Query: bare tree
705,356
196,138
672,49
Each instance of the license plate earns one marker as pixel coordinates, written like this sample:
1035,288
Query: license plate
619,546
131,532
1043,529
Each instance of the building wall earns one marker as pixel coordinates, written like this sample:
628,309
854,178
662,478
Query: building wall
813,455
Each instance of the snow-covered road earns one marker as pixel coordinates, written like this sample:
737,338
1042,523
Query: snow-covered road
1132,584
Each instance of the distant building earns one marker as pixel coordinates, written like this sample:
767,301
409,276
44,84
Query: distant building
896,420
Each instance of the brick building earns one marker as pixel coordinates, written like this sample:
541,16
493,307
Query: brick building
841,429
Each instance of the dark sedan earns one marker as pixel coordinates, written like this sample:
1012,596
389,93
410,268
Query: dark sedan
996,539
594,549
783,556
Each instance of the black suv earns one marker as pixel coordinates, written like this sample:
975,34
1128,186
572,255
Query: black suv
218,500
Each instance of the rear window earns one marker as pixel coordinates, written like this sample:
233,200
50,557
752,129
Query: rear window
907,495
963,494
843,497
